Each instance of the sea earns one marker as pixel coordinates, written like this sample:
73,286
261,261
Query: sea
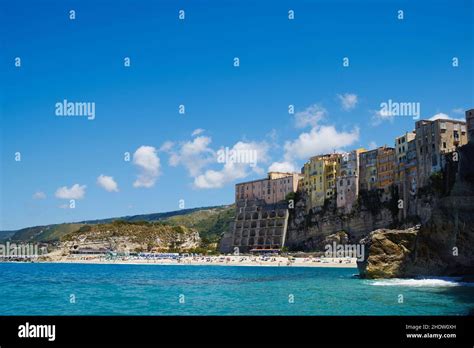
108,289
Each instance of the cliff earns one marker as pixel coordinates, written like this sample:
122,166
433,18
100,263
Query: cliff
310,231
443,245
123,237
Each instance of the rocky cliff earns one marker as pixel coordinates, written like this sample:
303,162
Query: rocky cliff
121,236
444,243
310,231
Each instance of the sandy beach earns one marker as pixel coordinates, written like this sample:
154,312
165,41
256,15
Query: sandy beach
272,261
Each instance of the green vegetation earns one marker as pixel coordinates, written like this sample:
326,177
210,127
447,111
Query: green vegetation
49,233
210,223
144,236
371,200
392,204
437,183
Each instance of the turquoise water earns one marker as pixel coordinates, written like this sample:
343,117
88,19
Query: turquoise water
45,289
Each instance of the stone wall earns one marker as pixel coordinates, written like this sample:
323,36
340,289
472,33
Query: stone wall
257,226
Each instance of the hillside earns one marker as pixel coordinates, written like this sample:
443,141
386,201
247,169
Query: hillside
48,233
209,222
122,236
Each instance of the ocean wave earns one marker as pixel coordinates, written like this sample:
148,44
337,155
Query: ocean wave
430,282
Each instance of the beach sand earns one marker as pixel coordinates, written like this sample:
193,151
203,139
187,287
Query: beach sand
272,261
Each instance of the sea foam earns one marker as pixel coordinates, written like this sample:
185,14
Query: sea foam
431,282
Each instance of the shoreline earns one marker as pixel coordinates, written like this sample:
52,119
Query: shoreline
211,261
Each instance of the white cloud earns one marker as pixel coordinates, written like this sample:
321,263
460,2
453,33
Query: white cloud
149,163
232,170
197,132
76,191
39,195
107,182
193,155
284,167
442,116
319,140
348,101
167,146
310,116
439,116
272,135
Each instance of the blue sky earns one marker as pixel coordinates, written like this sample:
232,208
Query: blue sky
190,62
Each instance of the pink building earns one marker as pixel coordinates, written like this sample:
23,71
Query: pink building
272,189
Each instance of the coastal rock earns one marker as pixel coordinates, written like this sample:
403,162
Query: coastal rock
442,246
387,252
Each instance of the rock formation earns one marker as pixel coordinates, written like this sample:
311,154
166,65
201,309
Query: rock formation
442,246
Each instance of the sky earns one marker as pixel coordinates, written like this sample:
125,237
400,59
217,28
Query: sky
140,155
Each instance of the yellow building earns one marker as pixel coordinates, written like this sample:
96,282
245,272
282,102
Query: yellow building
320,175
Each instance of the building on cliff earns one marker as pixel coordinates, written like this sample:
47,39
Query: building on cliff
406,175
435,138
261,215
385,167
347,184
401,145
377,170
470,125
319,178
368,170
274,188
257,227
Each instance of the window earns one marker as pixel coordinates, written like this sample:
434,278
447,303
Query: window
444,144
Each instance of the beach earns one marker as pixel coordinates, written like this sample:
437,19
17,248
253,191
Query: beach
240,260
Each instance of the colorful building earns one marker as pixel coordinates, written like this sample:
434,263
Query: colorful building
347,185
273,189
368,170
401,145
433,140
319,178
385,167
